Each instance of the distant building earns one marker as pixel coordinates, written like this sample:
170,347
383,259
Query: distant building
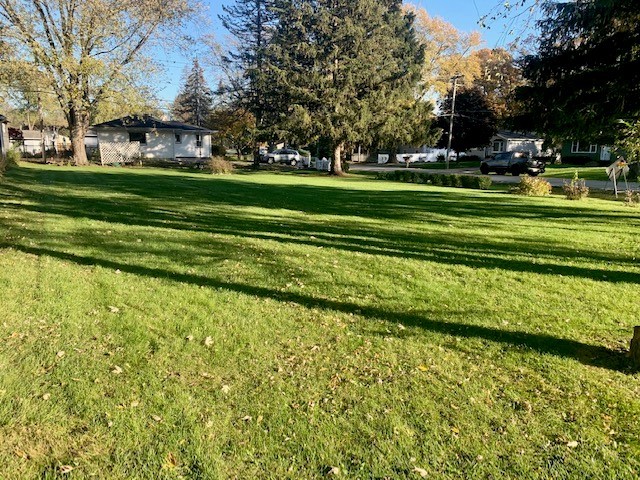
158,139
583,151
33,140
506,141
4,136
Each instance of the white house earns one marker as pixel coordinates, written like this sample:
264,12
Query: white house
159,139
4,136
506,141
32,141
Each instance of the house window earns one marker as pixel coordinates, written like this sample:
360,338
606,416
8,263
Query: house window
498,146
576,148
138,137
178,138
198,140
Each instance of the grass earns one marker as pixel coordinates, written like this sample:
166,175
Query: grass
160,324
568,171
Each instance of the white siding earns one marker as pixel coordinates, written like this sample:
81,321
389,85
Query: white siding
4,138
161,144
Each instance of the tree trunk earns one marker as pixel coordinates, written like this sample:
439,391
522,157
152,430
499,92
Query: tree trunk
336,164
393,155
634,351
78,126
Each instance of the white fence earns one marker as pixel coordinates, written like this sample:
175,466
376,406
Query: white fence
119,152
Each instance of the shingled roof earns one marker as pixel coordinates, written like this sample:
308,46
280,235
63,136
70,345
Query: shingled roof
149,123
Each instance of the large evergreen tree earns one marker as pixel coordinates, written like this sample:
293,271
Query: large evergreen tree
246,87
195,100
348,69
586,75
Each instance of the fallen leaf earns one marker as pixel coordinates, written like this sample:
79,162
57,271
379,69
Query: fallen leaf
135,403
572,444
113,309
247,418
60,354
208,341
420,471
334,471
422,368
118,272
117,370
401,327
22,454
156,418
226,388
64,469
189,338
46,396
455,430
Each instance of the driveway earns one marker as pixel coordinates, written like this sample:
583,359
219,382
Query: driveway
504,179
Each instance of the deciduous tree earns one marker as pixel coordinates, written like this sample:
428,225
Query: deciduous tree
86,48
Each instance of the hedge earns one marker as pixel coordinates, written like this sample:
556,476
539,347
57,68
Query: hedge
437,179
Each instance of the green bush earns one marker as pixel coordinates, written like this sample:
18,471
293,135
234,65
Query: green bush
219,166
576,189
9,160
437,179
634,171
532,187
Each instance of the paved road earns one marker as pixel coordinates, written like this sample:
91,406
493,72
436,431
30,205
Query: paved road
508,179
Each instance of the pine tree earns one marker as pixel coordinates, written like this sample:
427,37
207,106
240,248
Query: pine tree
195,100
585,77
346,69
246,87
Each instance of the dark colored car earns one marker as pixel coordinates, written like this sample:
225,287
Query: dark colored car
515,163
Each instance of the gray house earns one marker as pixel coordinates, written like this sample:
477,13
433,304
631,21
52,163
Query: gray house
4,136
507,141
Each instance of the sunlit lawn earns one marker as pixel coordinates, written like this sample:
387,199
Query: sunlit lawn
159,324
568,171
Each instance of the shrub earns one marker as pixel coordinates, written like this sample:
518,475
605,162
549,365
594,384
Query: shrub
437,179
532,187
634,171
631,198
576,189
219,165
11,159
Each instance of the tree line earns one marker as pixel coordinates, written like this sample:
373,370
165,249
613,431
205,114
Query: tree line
334,73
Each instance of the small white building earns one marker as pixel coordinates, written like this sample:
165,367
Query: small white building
33,140
506,141
159,139
4,136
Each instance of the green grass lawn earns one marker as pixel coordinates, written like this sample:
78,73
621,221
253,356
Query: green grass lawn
568,171
158,324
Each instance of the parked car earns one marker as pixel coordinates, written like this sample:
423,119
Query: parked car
284,155
515,163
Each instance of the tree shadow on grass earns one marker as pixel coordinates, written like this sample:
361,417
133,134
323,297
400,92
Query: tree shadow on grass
217,212
587,354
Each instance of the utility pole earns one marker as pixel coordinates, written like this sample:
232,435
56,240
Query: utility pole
453,111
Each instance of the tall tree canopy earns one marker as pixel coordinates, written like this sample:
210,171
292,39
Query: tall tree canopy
474,120
85,49
499,77
585,78
448,51
347,68
195,99
246,86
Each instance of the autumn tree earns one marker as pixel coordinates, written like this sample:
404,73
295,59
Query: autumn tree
448,51
346,67
499,77
234,128
86,49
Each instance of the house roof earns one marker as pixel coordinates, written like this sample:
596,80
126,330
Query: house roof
3,119
508,135
149,123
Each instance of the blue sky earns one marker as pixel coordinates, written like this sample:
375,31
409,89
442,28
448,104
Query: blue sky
463,14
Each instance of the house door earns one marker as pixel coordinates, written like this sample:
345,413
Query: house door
605,154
